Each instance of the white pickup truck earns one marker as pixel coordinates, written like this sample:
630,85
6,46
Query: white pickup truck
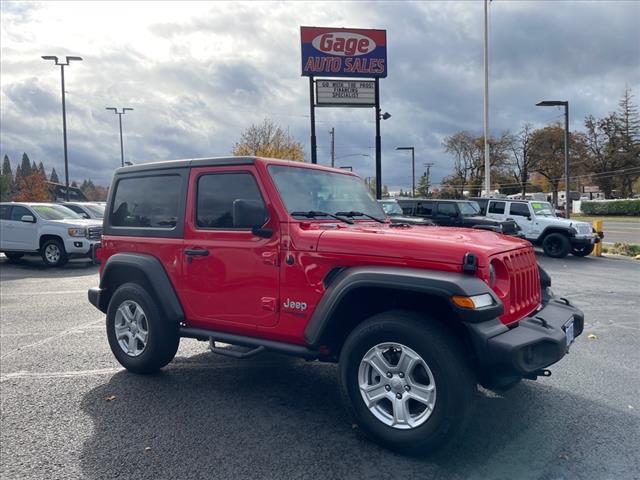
48,229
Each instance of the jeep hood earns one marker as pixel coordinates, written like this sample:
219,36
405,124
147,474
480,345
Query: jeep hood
435,244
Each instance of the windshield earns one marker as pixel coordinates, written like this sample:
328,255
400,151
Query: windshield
54,212
469,208
306,189
543,209
96,210
391,208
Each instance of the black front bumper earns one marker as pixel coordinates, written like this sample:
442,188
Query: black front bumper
506,355
583,242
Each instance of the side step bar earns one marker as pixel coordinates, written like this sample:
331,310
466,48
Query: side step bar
234,353
251,342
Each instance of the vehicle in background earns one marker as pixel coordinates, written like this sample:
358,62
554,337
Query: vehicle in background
48,229
541,225
393,210
93,210
455,213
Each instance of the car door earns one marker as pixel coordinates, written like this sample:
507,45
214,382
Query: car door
22,236
521,214
231,274
447,214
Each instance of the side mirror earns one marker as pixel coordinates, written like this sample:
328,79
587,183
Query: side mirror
262,232
28,219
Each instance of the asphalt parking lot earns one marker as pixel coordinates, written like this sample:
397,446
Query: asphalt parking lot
69,411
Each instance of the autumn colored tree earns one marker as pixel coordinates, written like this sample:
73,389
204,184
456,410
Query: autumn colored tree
33,188
268,140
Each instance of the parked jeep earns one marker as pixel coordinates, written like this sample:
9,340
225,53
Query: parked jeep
393,210
48,229
456,213
289,257
540,225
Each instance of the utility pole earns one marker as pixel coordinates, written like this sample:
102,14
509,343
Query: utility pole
487,161
428,165
332,132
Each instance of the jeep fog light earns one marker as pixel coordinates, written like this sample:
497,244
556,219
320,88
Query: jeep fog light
77,232
473,302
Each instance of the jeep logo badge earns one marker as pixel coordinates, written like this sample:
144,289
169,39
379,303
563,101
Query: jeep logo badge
293,305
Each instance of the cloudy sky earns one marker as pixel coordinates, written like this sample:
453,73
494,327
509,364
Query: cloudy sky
197,74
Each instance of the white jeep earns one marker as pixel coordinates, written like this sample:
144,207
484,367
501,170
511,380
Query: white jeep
540,225
48,229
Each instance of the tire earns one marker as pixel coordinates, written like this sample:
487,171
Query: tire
556,245
13,256
582,251
449,378
155,339
53,253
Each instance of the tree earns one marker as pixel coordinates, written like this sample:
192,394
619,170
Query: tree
601,140
33,188
521,162
628,121
54,176
268,140
423,186
25,166
6,180
41,170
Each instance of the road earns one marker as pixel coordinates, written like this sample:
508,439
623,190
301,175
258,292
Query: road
69,411
628,232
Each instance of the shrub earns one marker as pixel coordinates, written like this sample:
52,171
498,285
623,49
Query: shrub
622,248
613,207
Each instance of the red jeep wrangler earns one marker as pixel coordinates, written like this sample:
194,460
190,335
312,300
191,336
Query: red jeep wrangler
298,259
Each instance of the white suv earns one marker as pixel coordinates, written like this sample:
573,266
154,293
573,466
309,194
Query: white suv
540,225
53,231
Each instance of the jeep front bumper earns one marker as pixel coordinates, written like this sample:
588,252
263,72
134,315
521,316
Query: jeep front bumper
507,354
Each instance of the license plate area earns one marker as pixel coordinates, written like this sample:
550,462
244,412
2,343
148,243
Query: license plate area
568,332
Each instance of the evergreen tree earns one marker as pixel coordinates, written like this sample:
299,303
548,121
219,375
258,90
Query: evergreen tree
628,148
74,184
54,176
25,166
41,170
423,186
6,180
34,167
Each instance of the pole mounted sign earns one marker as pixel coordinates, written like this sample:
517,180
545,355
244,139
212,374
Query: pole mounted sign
340,93
344,52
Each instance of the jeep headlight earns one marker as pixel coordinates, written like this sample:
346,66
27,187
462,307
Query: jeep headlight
77,232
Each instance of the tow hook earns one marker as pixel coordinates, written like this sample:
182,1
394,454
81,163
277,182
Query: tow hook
538,373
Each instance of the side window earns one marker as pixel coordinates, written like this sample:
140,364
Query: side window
519,209
146,202
4,212
448,209
425,208
229,201
78,210
496,207
17,213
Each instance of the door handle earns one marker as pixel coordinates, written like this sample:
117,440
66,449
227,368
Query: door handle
203,252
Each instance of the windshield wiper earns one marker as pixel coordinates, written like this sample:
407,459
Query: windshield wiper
359,214
316,213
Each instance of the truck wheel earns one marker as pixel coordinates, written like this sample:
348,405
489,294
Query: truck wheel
53,253
556,245
13,256
582,251
140,336
406,382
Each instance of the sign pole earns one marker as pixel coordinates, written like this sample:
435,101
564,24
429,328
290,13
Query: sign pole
314,152
378,144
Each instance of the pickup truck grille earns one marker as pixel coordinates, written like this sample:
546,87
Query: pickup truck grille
523,296
94,233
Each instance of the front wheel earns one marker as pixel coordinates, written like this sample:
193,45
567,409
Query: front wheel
53,253
556,245
582,251
406,382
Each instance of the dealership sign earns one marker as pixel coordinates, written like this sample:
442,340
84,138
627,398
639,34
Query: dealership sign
343,52
331,93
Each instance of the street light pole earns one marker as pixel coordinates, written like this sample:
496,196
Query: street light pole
567,182
487,160
413,169
115,110
64,115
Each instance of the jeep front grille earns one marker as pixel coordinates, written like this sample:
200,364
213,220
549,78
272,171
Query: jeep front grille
583,229
523,295
94,233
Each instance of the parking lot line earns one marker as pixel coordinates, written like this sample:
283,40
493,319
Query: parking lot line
29,294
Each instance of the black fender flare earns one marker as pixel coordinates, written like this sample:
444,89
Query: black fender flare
435,283
155,275
553,229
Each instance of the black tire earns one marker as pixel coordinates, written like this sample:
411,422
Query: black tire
13,256
53,253
162,335
455,384
582,251
556,245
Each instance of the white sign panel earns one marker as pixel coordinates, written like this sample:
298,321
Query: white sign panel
345,93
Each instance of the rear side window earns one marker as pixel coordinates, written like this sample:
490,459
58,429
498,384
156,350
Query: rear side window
146,202
496,207
448,209
4,212
424,208
519,209
18,212
229,201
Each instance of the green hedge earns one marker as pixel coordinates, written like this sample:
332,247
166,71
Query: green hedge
613,207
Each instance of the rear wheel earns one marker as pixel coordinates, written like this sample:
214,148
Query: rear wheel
140,336
406,382
556,245
53,253
13,256
582,251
